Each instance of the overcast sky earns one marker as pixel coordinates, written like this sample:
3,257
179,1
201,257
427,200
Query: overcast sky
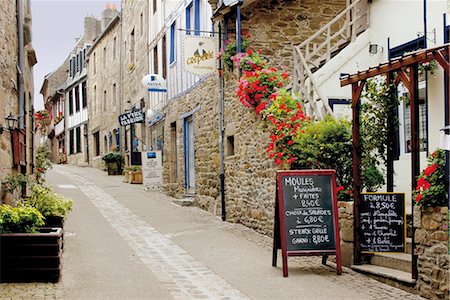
56,24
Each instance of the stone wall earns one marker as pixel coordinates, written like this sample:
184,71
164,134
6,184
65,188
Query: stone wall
345,213
135,60
104,112
275,27
433,253
202,99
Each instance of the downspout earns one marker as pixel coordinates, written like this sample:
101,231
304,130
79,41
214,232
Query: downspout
121,79
20,18
221,130
425,33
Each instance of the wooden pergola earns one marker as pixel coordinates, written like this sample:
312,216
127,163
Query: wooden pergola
403,69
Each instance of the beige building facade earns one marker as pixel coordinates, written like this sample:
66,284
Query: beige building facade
104,89
17,58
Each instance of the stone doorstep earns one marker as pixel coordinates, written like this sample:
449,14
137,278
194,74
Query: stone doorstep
184,202
397,261
380,273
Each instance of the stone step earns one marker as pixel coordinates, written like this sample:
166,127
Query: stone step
397,261
397,278
184,201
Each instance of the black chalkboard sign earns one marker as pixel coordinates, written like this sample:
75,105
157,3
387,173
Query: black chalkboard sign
306,221
382,222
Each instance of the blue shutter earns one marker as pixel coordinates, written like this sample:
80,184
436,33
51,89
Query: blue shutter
197,17
172,42
188,19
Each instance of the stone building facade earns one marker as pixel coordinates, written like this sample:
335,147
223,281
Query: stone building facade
104,89
274,26
52,91
134,61
17,57
77,143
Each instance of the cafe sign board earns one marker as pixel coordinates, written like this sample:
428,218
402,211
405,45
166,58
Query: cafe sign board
200,54
306,219
134,116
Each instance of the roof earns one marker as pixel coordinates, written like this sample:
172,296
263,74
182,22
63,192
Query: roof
107,30
420,56
54,80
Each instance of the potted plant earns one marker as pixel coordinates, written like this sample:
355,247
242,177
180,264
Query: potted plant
28,252
52,206
114,161
136,174
12,186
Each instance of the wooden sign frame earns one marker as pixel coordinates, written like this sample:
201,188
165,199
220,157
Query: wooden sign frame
279,239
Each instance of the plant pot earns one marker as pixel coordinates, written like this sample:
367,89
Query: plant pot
31,257
54,222
114,169
136,177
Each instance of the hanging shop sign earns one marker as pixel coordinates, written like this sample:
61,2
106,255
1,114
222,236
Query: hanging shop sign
200,54
154,83
152,169
306,220
134,116
382,217
153,117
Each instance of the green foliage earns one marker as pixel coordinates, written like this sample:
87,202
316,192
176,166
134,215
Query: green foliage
113,157
19,219
42,163
47,202
230,51
431,189
378,123
13,182
133,169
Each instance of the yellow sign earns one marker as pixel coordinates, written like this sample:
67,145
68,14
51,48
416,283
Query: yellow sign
200,54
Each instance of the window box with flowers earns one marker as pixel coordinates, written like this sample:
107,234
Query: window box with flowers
43,119
58,118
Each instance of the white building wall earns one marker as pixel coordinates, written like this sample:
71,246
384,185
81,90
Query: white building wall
401,21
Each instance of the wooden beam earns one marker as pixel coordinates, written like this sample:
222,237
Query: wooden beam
403,77
421,57
442,61
357,186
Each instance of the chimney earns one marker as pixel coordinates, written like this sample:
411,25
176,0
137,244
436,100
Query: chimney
107,16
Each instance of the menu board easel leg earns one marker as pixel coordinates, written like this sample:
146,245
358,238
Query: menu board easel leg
324,259
276,235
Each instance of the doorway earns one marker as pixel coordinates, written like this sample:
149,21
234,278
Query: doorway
189,155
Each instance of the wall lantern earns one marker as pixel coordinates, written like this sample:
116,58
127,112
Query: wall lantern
374,48
10,121
445,138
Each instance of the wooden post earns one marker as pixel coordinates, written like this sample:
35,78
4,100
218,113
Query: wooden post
415,147
391,138
356,92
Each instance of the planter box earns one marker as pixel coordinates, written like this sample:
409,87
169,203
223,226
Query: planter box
114,169
136,177
55,222
31,257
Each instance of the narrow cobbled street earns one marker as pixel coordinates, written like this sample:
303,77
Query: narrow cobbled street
122,242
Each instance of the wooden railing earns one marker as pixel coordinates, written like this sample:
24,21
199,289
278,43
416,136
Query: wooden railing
319,48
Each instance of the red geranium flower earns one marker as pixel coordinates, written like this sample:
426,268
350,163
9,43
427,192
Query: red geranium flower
340,188
430,169
419,197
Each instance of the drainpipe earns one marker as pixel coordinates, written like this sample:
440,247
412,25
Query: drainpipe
221,132
20,18
121,78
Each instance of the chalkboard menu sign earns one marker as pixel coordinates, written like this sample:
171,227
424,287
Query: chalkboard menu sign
306,215
382,222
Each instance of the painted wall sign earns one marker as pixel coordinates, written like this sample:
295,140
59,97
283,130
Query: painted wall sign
135,116
200,54
382,218
154,83
152,169
306,220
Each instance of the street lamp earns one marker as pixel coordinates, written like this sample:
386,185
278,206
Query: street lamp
10,120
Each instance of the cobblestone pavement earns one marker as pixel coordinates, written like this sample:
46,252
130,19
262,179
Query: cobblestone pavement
185,275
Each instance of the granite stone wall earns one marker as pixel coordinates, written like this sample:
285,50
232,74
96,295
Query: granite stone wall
433,253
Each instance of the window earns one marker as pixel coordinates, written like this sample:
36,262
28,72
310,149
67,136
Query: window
95,64
70,68
77,99
84,58
117,134
84,94
197,17
77,58
71,142
141,24
132,47
172,42
104,57
189,12
114,47
114,95
78,138
154,6
70,102
104,100
95,99
164,58
173,152
105,144
230,145
97,143
155,59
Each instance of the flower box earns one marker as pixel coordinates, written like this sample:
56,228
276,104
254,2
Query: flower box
31,257
136,177
113,169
